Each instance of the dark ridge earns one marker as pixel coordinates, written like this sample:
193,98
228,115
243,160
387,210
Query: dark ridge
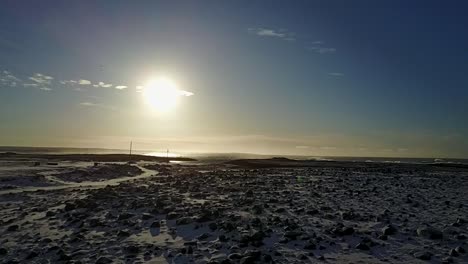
94,157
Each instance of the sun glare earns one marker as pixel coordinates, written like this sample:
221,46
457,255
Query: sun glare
161,94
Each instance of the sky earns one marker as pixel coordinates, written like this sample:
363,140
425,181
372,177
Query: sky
314,78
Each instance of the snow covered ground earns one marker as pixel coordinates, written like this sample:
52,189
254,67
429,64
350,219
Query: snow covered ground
220,213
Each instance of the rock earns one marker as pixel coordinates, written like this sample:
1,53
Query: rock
184,221
190,243
213,226
124,216
389,230
203,236
3,251
146,216
249,193
362,246
12,228
257,236
132,249
172,215
423,255
460,250
292,234
103,260
267,258
190,250
31,255
429,232
50,213
257,209
155,224
234,256
447,260
453,253
123,233
247,260
343,231
253,253
310,246
69,206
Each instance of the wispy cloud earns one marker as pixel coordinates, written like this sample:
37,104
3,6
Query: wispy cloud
120,87
42,81
91,104
272,33
336,74
315,46
84,82
321,50
104,85
41,78
185,93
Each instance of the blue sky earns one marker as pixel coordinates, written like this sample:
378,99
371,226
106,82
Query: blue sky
361,78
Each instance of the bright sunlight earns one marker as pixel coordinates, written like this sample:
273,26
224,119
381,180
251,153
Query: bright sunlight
161,94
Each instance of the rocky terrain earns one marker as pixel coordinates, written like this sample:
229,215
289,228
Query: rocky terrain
229,214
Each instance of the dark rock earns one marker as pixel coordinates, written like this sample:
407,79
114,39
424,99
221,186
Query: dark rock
146,216
447,260
31,255
190,243
172,215
124,216
103,260
132,249
184,221
247,260
3,251
389,230
69,207
50,213
292,234
203,236
310,246
429,232
423,255
123,233
453,253
213,226
362,246
190,250
234,256
460,250
155,224
12,228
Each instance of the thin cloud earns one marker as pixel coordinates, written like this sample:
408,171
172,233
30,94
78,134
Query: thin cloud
41,78
91,104
185,93
336,74
272,33
84,82
120,87
87,104
45,89
104,85
321,50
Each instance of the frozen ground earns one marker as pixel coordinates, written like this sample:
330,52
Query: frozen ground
223,213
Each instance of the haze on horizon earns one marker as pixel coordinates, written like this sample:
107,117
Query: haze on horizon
318,78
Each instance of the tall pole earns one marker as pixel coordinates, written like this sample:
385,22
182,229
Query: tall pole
131,148
167,154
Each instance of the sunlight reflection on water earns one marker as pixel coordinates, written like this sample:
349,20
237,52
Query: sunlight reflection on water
163,154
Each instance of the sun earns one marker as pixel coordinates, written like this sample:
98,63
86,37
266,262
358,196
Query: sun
161,94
